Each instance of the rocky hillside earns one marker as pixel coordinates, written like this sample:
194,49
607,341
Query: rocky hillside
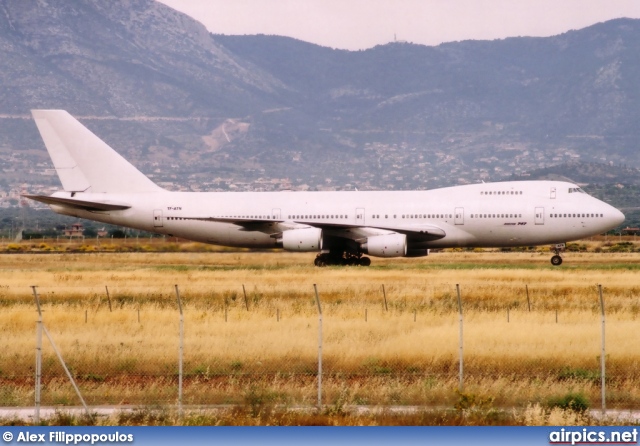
194,108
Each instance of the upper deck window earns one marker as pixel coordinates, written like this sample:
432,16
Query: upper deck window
576,190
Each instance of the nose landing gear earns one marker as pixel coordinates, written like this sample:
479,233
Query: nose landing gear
556,260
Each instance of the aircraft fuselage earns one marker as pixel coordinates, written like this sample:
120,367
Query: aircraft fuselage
503,214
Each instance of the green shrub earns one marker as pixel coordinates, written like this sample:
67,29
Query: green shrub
576,402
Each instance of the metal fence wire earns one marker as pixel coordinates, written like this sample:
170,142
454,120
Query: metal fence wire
244,348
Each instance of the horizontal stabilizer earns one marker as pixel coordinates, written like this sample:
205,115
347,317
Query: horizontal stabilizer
78,204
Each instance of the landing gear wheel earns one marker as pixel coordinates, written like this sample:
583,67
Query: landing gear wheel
324,259
341,258
556,260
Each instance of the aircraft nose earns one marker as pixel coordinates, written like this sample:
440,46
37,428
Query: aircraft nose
617,217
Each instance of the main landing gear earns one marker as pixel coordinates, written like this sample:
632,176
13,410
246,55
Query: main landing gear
341,259
556,260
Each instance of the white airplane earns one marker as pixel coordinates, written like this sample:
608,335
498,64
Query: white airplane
101,185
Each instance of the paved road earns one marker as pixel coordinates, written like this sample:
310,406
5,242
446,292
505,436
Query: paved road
27,413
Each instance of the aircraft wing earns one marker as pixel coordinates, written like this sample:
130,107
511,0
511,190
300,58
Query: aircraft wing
254,224
420,232
78,204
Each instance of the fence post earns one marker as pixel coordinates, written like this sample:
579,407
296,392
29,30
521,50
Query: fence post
42,328
180,352
66,370
460,385
108,297
246,302
38,356
603,352
319,347
528,300
384,295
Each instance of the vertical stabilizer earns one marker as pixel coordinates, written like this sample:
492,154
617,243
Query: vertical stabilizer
83,161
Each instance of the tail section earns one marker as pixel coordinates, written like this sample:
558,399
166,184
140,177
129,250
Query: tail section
83,161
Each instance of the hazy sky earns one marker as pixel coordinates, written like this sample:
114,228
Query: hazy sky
360,24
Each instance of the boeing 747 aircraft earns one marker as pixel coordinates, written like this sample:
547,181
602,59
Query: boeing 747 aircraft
99,184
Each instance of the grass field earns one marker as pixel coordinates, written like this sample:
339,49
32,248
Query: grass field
531,331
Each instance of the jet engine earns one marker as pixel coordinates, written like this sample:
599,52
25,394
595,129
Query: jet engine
390,245
303,239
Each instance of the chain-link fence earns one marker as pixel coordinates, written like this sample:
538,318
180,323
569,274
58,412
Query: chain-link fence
263,347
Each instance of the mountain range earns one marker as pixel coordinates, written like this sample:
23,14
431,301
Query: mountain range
260,112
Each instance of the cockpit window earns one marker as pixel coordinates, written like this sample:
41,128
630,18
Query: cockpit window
573,190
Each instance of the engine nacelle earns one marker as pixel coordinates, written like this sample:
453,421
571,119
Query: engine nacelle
303,239
390,245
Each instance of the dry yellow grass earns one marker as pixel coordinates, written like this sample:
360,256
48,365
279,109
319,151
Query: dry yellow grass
387,359
487,279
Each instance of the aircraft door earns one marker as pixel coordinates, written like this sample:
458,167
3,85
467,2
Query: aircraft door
553,193
459,216
539,220
157,218
275,213
360,216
